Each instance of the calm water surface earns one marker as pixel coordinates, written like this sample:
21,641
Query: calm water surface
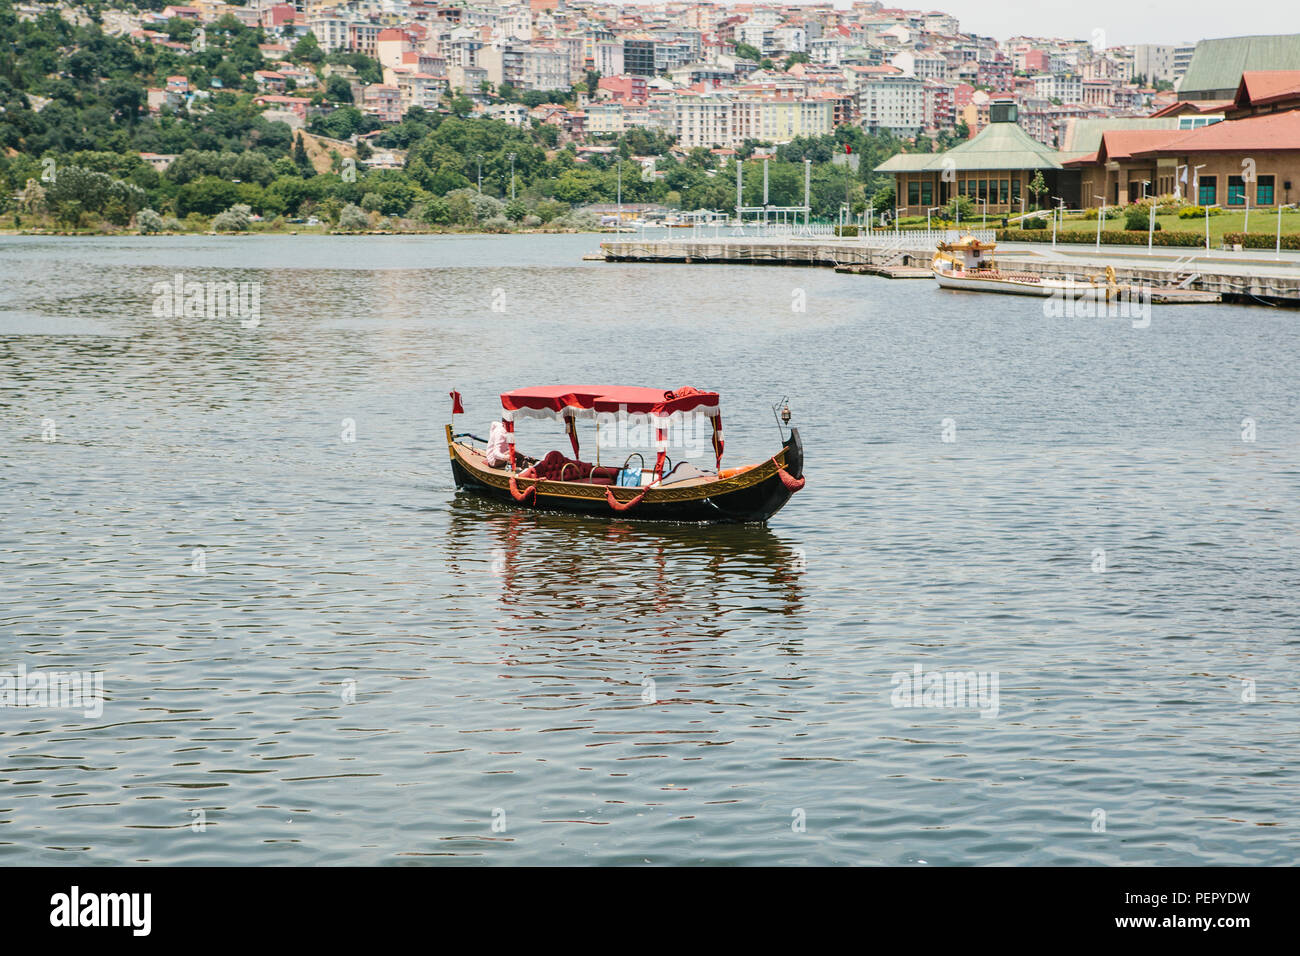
373,669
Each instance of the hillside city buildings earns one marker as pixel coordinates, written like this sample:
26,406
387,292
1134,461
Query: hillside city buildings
1096,120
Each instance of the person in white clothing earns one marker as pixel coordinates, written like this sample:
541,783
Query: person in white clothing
498,449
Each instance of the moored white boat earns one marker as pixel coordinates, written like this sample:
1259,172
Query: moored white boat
968,265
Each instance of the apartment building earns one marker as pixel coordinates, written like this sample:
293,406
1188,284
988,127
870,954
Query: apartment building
1066,87
894,104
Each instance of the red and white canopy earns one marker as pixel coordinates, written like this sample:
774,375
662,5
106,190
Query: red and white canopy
586,401
569,402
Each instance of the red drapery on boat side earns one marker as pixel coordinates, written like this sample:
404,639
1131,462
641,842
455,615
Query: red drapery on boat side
571,427
718,443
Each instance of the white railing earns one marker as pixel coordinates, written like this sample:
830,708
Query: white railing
923,238
884,238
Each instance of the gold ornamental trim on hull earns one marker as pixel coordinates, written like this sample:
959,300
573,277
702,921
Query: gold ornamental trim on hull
568,489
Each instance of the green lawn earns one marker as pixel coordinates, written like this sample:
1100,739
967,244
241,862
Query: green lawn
1264,221
1260,222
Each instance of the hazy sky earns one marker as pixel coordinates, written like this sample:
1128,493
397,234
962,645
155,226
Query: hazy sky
1124,21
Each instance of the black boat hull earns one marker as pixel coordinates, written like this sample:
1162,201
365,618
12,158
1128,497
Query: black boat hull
751,496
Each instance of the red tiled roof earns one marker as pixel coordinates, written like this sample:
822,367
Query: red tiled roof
1123,143
1267,86
1269,132
1081,160
1192,106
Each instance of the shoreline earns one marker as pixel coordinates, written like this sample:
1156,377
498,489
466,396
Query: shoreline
135,233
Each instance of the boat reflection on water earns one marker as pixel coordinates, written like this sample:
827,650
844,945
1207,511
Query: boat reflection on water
568,575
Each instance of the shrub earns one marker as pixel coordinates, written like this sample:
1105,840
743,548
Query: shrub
1089,236
436,211
549,209
1262,240
1112,212
1136,218
1197,212
372,202
469,206
1037,222
959,204
234,219
148,221
353,219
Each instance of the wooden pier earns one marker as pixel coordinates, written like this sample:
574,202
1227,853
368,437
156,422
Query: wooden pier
1187,279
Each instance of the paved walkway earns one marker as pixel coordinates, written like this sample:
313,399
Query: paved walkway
1246,262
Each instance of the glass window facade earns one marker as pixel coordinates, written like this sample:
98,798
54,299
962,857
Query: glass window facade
1236,191
1208,192
1264,191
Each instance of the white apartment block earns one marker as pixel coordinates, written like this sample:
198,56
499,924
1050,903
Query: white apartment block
791,39
781,120
607,58
943,23
605,118
927,66
544,69
420,89
726,120
331,32
704,120
757,34
893,103
1066,87
516,114
828,50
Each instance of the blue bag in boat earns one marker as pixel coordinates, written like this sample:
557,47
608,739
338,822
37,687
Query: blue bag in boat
629,478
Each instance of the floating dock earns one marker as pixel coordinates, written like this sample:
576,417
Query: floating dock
1195,278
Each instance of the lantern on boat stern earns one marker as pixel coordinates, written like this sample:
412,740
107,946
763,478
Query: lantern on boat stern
781,415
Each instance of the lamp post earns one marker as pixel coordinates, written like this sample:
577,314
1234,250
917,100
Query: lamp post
1278,250
479,157
927,216
984,223
1101,217
807,196
511,157
619,166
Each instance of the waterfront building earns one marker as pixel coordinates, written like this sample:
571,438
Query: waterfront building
994,169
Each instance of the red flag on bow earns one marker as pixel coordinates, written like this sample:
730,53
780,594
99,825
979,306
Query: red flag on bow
456,407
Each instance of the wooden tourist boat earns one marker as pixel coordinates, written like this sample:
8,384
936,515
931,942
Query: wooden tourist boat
663,492
968,264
